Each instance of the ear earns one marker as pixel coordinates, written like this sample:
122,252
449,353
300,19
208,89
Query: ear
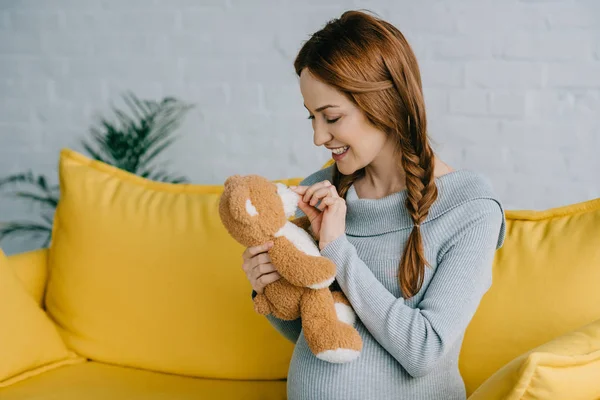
240,205
250,209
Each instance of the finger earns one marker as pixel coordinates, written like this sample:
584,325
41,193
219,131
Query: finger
262,258
333,202
246,266
313,188
318,195
266,279
333,191
309,211
299,189
254,250
263,269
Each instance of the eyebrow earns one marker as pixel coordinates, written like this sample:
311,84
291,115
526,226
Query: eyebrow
321,108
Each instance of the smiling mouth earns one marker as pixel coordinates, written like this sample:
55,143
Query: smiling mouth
340,150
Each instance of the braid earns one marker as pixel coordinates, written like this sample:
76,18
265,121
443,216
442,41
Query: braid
418,162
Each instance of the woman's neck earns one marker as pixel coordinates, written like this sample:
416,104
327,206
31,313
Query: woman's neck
386,176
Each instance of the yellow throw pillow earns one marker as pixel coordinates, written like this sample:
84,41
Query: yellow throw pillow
29,342
144,274
545,284
31,267
567,367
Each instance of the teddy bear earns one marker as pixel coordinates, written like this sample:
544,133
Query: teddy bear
255,210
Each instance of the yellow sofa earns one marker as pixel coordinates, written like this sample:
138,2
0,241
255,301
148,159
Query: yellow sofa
140,295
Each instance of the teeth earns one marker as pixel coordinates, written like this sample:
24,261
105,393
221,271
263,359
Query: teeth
340,150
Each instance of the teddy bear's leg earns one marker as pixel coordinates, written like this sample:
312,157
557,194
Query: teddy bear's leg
343,308
328,338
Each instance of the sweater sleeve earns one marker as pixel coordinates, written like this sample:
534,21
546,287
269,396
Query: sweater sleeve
419,337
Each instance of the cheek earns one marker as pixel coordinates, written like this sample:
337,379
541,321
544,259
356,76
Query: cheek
369,147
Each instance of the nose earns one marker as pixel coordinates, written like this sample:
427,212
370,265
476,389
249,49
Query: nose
321,135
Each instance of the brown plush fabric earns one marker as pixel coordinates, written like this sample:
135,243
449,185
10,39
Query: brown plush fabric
289,297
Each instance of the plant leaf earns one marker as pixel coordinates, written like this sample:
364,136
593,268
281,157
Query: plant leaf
39,183
95,155
147,158
23,228
26,177
47,200
134,105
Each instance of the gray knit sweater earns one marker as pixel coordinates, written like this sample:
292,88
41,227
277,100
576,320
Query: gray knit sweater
410,346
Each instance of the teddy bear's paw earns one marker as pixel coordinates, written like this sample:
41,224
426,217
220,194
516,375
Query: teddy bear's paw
262,305
338,356
345,313
324,284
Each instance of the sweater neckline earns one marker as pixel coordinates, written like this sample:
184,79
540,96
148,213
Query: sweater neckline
370,217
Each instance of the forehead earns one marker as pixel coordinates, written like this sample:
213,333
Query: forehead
317,93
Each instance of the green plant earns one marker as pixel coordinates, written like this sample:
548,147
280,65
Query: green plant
132,143
41,194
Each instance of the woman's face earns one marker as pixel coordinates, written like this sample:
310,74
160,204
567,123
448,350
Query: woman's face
340,125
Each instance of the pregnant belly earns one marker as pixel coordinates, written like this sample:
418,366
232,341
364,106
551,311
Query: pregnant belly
373,375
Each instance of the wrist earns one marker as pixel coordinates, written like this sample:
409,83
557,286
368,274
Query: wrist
325,242
312,233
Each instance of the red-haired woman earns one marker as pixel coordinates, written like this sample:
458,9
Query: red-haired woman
413,240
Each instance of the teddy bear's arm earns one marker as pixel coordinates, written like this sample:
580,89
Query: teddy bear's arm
299,268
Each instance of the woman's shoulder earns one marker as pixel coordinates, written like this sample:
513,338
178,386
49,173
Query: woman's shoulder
468,197
318,176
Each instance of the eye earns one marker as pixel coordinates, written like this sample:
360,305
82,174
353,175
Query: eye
329,121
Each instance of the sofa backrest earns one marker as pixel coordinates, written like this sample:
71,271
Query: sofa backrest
545,283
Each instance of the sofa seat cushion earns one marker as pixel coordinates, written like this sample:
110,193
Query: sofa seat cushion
98,381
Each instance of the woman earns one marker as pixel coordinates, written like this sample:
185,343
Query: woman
413,240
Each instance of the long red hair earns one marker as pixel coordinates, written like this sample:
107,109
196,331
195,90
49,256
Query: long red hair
370,61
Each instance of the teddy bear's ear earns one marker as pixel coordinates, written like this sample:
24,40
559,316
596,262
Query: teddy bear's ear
250,209
240,205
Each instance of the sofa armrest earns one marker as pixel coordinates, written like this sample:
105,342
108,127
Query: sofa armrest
31,268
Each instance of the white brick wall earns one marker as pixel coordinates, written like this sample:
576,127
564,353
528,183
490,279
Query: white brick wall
513,87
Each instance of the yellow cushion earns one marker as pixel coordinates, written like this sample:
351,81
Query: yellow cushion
29,342
95,381
31,267
545,284
144,274
567,367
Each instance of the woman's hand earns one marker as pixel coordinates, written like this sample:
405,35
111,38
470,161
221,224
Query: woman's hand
328,220
258,268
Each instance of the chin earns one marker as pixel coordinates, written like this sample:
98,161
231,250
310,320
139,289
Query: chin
345,169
